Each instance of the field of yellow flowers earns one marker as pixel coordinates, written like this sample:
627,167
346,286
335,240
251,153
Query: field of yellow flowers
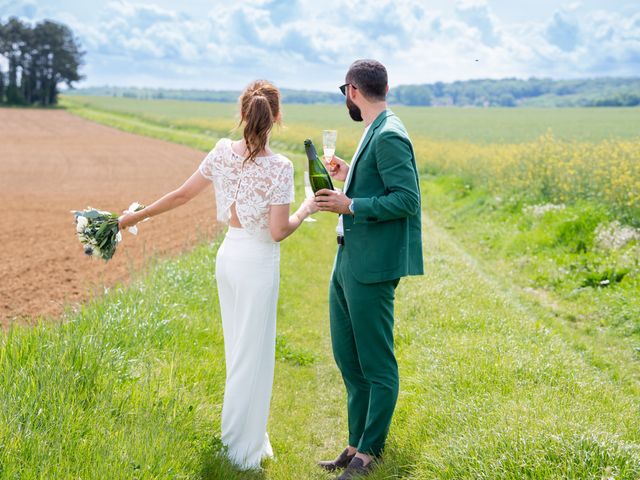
546,170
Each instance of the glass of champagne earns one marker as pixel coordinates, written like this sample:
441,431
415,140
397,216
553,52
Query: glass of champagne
329,138
308,191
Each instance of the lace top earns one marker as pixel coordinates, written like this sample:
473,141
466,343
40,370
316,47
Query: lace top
252,185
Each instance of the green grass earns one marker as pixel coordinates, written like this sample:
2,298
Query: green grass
469,124
492,386
555,256
495,383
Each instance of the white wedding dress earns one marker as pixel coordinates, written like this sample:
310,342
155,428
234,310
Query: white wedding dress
248,276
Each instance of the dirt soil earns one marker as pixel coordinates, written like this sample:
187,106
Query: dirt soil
52,162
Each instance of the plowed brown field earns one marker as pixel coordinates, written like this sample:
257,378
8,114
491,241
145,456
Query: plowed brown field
52,162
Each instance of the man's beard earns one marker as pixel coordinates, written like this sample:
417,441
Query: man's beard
354,111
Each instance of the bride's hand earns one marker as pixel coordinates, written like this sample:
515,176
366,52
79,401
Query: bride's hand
310,205
127,219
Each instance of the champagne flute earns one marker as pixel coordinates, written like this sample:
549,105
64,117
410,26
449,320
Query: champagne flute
308,192
329,138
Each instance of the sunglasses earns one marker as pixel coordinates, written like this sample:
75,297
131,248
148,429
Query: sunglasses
343,88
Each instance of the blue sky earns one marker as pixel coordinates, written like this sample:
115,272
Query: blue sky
310,44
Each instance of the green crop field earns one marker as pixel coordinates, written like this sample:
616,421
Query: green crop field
503,125
519,350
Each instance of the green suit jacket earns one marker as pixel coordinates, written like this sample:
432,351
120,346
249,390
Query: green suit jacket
383,238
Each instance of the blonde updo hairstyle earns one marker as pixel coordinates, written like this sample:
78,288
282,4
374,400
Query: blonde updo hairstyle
259,110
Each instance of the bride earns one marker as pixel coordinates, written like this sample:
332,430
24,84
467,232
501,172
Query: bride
254,189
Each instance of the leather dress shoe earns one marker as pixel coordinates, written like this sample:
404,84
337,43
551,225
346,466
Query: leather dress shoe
356,468
341,462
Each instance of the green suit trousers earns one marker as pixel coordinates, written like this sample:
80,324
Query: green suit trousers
362,339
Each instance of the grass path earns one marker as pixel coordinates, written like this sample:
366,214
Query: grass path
492,384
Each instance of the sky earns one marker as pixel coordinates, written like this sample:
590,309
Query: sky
307,44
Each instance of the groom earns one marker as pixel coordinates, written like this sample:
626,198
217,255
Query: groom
379,241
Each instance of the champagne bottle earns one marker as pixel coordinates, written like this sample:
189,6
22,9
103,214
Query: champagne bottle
318,175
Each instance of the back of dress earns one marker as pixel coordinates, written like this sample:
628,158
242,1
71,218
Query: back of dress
253,185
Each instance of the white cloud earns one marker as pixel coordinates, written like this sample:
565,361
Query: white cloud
599,43
563,31
478,15
299,43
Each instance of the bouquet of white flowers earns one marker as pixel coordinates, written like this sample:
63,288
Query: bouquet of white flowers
99,232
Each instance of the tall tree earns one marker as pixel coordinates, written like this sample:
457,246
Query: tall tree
1,85
1,72
39,59
59,58
12,44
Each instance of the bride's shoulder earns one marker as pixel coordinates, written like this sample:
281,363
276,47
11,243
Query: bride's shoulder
221,149
223,143
282,165
282,161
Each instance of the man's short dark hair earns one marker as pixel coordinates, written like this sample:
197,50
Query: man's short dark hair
370,76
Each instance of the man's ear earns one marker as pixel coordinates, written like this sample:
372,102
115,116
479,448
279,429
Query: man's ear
387,89
355,93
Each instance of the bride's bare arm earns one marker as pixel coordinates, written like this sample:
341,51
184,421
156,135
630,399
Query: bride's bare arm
188,190
281,224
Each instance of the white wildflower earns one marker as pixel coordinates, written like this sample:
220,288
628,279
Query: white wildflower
614,235
81,223
539,210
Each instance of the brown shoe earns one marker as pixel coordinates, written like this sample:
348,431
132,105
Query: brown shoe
356,468
341,462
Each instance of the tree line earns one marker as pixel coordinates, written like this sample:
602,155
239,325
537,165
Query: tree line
510,92
35,60
221,96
